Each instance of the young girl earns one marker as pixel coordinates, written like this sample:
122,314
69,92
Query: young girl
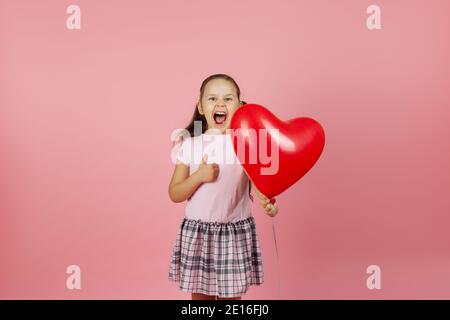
216,253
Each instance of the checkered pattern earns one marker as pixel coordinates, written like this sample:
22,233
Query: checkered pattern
217,258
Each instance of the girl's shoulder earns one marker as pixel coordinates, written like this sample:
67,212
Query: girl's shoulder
186,138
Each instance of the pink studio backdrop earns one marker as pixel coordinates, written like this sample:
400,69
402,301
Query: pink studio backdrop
86,117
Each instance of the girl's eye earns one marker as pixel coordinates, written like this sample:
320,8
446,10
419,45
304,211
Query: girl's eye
212,98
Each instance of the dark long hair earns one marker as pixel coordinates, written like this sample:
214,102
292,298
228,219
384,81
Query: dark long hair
200,117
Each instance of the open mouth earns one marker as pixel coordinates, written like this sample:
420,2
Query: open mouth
220,117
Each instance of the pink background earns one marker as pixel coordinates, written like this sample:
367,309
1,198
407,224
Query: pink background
86,117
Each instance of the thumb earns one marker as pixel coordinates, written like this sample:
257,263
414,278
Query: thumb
205,157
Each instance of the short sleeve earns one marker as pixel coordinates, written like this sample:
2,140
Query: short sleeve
184,152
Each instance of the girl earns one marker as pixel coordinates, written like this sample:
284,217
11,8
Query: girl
216,253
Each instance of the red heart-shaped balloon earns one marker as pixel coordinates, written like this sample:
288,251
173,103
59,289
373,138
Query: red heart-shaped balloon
275,153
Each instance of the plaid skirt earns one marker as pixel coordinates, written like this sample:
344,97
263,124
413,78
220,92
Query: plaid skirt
217,258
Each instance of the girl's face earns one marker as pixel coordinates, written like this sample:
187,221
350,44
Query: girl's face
218,104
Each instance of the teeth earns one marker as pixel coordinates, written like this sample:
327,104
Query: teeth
220,113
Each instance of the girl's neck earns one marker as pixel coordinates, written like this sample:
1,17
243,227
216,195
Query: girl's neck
215,132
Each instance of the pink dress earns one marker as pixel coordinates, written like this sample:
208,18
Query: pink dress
227,198
216,251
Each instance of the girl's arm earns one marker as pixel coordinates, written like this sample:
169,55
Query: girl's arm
258,193
182,186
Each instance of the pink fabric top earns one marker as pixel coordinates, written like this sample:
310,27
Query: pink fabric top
225,199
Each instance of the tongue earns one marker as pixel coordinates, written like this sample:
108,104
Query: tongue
219,119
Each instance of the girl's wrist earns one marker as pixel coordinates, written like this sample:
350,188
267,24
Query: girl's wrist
197,176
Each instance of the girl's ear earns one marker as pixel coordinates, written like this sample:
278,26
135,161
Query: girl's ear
199,108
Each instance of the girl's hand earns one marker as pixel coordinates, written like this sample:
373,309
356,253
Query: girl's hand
208,172
268,205
269,208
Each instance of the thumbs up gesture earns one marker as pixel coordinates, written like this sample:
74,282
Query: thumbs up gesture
208,172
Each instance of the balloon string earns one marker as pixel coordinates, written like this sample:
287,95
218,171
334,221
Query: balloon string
278,259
